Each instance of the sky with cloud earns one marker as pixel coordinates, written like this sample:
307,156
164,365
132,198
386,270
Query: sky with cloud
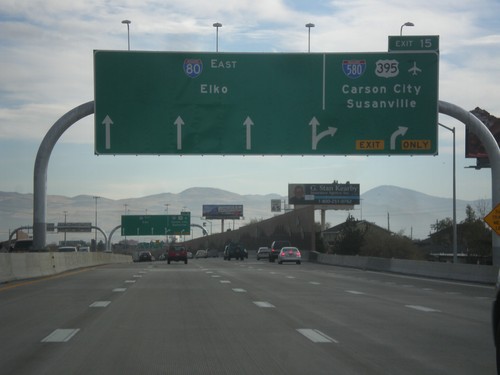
46,70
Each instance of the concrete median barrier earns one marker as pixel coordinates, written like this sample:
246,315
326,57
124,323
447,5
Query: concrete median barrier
19,266
449,271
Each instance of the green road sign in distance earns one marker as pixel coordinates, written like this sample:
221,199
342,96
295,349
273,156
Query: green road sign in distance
264,104
155,225
414,43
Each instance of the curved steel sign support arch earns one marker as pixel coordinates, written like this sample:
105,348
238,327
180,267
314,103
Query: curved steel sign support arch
41,166
61,125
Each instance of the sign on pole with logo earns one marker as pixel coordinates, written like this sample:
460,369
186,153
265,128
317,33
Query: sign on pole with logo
222,211
324,194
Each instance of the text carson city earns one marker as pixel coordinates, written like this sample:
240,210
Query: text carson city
398,88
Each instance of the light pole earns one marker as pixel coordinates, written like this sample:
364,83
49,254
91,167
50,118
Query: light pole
217,25
128,22
309,25
65,212
403,25
95,198
454,196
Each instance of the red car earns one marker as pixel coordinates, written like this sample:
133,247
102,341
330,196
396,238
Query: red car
177,253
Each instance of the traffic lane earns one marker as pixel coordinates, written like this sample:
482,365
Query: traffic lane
32,309
416,291
181,320
387,317
282,322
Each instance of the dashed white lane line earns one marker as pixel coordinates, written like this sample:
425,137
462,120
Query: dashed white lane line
61,335
316,336
354,292
422,308
100,304
130,281
264,304
119,290
225,282
239,290
314,283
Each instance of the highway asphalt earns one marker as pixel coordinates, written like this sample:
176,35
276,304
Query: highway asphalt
243,317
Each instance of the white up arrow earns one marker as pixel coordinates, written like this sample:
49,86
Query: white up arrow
248,124
179,122
107,123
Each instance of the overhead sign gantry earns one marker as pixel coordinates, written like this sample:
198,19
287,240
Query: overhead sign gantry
266,104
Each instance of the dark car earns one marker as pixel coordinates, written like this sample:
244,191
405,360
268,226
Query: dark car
145,256
177,253
234,250
275,249
22,246
212,253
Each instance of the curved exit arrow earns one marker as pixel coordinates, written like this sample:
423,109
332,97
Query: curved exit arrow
314,123
401,131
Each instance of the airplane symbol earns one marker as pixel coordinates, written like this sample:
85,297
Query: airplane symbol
414,70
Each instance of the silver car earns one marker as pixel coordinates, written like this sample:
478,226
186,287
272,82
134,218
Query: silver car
289,254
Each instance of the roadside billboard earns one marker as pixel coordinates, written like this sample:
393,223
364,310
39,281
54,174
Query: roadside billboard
275,205
222,211
323,194
473,146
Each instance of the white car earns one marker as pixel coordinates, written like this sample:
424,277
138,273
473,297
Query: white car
263,252
201,254
289,254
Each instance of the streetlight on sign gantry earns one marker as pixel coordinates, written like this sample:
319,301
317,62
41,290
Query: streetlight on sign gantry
65,213
217,25
309,25
455,244
128,22
403,25
96,198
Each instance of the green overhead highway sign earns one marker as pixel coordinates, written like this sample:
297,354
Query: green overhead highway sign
265,104
412,43
156,225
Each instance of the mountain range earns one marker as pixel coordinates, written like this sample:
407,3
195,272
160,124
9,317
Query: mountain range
399,209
